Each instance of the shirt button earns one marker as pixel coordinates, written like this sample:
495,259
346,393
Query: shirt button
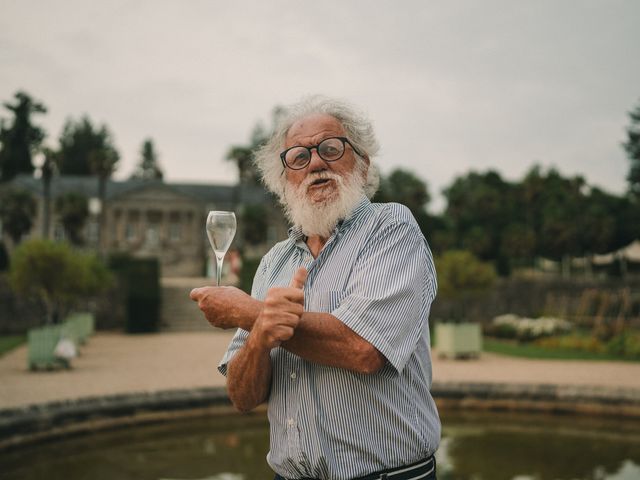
291,422
293,375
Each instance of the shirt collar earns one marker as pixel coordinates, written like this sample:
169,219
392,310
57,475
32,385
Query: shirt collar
296,235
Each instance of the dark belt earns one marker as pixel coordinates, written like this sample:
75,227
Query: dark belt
423,470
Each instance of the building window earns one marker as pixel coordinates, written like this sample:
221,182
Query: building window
58,232
175,232
152,238
131,232
92,232
114,232
114,226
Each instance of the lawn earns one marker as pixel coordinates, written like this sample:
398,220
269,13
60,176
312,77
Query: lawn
9,342
530,350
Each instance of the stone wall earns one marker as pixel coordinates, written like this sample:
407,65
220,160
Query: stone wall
45,422
575,299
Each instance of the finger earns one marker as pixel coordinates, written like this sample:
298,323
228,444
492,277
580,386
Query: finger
299,278
195,294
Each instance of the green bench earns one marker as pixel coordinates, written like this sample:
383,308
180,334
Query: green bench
42,342
80,326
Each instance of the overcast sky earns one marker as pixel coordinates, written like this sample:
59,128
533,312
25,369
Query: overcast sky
451,86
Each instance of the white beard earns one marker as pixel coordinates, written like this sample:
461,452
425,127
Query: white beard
321,218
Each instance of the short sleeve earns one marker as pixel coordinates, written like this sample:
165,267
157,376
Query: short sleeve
389,292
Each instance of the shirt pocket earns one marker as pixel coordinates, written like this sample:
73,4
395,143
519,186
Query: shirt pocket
326,301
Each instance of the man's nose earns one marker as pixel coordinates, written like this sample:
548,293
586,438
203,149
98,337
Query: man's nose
316,163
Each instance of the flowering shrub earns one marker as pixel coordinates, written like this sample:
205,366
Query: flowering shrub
526,329
625,344
574,342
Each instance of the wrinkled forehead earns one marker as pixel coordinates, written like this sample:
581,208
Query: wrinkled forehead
312,129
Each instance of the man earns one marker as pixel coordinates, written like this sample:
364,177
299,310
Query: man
335,336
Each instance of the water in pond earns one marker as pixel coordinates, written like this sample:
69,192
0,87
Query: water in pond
477,446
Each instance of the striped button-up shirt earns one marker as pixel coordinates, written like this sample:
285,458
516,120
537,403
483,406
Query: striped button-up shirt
376,275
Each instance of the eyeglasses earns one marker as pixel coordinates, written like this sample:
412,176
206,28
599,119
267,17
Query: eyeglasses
329,150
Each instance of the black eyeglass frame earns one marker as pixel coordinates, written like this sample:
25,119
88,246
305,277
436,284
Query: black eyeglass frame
342,139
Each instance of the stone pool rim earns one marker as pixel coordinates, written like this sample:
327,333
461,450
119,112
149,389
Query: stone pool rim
20,426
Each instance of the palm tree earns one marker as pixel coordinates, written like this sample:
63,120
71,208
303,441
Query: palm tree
48,168
103,163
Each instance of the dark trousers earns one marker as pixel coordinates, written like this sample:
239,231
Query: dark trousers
402,473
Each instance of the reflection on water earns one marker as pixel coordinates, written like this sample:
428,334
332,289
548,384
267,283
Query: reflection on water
477,446
216,448
536,447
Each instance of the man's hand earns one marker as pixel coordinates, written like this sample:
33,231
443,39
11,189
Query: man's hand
281,313
227,307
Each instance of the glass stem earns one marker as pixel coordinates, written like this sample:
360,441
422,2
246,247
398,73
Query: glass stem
218,269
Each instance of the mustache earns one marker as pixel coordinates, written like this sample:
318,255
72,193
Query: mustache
323,175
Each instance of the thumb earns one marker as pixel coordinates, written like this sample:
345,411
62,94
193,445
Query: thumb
299,278
194,294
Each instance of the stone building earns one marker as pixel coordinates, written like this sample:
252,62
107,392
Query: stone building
154,218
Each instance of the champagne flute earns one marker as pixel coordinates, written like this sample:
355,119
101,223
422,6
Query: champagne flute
221,228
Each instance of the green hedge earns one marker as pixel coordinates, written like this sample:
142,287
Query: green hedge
248,271
140,279
4,258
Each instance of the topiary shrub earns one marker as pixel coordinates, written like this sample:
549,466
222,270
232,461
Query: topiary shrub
58,276
460,270
461,276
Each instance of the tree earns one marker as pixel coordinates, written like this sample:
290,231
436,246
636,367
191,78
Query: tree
480,206
49,167
148,168
439,233
242,155
20,139
85,149
17,210
56,275
249,176
597,225
518,243
632,147
73,210
553,205
103,164
404,187
627,216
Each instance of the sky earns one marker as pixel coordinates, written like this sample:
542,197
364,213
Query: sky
451,86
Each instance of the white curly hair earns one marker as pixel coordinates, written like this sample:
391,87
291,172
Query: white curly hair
357,126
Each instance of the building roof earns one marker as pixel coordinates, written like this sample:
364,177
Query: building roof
88,186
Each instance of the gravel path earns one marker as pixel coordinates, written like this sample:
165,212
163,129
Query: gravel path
113,363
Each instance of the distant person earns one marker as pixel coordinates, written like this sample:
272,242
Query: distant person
335,336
